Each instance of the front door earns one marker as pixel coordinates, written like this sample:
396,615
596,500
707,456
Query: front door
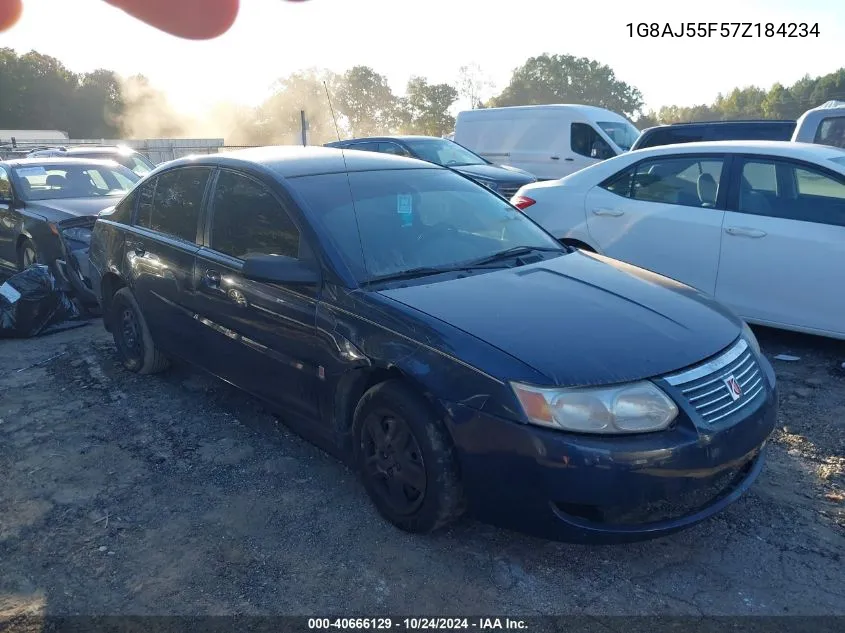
160,252
260,336
663,214
783,245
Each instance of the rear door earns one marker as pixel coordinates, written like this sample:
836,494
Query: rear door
260,336
160,251
8,222
664,214
783,246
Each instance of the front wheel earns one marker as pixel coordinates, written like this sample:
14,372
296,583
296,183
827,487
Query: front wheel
27,254
132,336
406,459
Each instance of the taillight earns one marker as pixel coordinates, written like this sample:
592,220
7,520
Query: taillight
522,202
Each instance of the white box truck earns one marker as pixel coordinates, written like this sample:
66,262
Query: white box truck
549,141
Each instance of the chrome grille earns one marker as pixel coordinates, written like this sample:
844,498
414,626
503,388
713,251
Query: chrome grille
706,388
508,191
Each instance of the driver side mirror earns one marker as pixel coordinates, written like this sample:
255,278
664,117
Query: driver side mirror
278,269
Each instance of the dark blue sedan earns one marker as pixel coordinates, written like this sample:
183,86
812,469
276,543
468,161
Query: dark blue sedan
410,321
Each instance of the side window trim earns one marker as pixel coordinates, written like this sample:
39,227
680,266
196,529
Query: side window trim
741,159
209,224
203,204
136,205
724,177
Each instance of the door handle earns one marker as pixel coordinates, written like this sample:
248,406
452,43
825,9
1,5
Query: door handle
611,212
555,157
571,160
211,279
738,230
138,248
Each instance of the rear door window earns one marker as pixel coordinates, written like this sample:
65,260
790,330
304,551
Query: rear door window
173,206
688,181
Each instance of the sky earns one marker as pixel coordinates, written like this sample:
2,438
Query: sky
434,38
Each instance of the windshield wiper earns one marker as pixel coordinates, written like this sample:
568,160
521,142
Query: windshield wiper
516,251
414,273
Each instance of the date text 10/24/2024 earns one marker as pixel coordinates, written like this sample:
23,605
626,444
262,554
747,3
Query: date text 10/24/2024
417,623
723,29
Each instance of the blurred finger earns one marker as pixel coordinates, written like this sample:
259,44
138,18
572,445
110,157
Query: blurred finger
191,19
10,12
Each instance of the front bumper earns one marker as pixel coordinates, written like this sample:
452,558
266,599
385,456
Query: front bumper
591,489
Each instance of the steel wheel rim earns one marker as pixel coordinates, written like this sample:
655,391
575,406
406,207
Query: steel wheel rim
131,334
29,257
393,462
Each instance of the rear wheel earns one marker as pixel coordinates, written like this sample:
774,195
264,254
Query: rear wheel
132,336
27,254
406,459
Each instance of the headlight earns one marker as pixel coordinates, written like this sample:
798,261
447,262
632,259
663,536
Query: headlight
637,407
78,234
750,338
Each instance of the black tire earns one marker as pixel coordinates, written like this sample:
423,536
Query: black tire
27,254
132,336
430,482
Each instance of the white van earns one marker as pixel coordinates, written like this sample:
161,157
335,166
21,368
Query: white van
549,141
824,125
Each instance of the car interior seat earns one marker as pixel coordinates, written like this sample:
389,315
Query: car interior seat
708,190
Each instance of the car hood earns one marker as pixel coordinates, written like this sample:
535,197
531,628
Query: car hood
581,319
499,173
59,210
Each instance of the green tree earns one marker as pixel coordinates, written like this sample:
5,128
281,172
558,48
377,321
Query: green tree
278,118
472,83
781,104
567,79
365,99
426,107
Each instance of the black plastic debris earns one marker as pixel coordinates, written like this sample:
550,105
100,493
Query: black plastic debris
31,303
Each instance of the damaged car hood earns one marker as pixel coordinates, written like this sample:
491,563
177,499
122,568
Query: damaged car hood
581,319
63,209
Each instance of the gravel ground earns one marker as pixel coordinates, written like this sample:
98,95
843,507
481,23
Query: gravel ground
177,494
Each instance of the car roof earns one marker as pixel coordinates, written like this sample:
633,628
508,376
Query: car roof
290,161
98,149
393,137
670,126
788,149
56,160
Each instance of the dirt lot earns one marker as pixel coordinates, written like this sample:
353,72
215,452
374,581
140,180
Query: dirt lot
176,494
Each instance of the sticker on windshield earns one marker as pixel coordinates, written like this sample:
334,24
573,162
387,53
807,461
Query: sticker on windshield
28,172
405,208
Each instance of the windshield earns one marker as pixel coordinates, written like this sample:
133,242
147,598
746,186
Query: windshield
405,219
443,152
622,133
57,182
134,161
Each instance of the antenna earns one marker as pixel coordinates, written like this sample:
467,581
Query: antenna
334,118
